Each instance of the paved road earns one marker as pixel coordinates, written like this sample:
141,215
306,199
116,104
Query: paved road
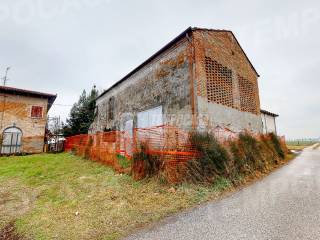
284,205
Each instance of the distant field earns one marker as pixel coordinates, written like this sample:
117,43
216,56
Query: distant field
300,144
297,147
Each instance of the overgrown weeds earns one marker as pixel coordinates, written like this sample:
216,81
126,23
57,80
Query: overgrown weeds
232,160
123,162
212,161
146,164
277,145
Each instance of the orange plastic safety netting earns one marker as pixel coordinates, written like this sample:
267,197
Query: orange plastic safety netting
101,147
169,144
172,147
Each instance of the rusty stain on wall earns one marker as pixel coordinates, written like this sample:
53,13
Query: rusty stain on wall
15,110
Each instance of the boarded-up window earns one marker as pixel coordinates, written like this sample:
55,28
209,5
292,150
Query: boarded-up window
111,109
36,112
219,83
150,118
248,96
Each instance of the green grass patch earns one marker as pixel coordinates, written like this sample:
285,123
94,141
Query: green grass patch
222,184
123,162
61,196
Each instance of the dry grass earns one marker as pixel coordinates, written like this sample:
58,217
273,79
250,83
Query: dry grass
300,145
65,197
297,147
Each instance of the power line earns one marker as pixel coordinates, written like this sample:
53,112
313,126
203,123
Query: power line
62,105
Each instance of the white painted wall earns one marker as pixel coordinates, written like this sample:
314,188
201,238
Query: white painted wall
213,115
269,123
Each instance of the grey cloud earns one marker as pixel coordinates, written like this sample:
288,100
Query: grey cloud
65,46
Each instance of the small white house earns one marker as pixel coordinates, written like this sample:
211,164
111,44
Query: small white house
269,121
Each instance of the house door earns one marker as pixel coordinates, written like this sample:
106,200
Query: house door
11,141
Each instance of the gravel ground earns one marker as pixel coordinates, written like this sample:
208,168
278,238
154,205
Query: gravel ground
284,205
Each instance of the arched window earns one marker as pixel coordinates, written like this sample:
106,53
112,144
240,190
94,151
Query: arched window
11,140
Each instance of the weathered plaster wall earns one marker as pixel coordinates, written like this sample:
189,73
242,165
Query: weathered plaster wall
269,124
164,81
172,80
16,111
214,115
222,47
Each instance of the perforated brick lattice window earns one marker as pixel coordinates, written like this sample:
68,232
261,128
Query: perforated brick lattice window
219,83
36,112
248,98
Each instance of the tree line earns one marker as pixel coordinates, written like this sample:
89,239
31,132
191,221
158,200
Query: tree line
81,114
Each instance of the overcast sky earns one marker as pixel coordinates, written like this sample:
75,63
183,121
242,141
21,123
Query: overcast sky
65,46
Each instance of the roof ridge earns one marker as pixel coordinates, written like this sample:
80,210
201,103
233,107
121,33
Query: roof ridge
229,31
210,29
166,47
27,91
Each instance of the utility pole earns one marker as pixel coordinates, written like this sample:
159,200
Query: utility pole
5,78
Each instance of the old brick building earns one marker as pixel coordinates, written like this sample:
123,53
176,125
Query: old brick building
200,80
23,116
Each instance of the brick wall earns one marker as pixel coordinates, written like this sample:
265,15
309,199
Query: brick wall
165,81
204,81
16,111
227,85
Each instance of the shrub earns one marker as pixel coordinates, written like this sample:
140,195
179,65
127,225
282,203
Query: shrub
194,173
145,164
247,153
232,161
269,150
238,159
277,145
251,151
221,184
213,159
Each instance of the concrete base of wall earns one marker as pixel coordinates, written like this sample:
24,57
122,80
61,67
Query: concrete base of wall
212,115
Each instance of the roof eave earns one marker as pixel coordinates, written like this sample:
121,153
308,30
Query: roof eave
51,101
163,49
23,92
167,46
269,113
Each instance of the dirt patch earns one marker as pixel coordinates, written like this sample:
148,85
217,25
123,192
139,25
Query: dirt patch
16,199
9,233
